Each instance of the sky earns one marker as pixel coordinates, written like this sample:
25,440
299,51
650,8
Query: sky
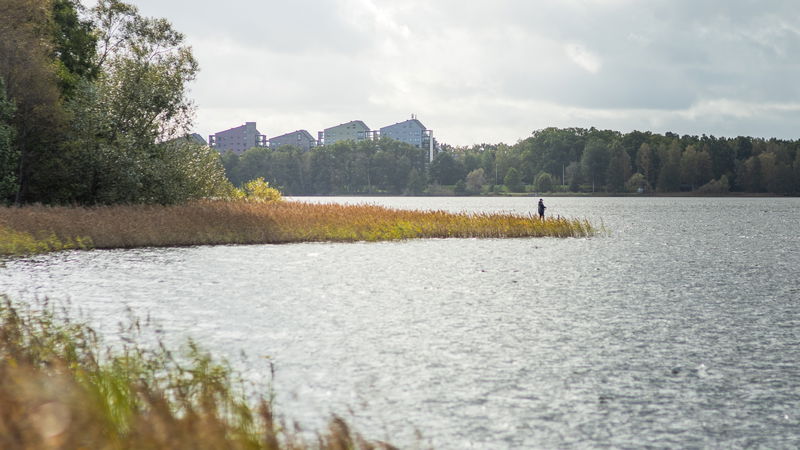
491,71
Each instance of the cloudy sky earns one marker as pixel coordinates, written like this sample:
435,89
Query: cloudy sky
495,70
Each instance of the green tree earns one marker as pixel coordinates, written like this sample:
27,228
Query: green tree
689,167
231,164
797,172
446,170
619,169
138,99
776,174
506,157
721,186
9,155
638,183
475,180
696,167
460,188
748,175
286,167
31,81
390,171
416,182
254,163
669,177
723,155
645,163
574,176
513,180
321,168
544,182
186,171
705,168
74,45
595,162
552,149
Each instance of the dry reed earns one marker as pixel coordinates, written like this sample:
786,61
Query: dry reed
242,222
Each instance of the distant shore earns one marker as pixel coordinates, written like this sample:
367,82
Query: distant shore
567,194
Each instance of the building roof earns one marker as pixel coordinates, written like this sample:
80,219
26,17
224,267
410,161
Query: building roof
303,132
353,122
239,127
414,121
197,139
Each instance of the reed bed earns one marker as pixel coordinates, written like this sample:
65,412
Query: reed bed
60,388
244,222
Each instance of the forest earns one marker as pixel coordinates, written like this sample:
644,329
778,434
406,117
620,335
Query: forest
551,160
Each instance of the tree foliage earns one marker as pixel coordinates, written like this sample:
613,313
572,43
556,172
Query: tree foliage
101,105
513,180
591,160
30,71
74,45
9,156
346,167
544,182
475,180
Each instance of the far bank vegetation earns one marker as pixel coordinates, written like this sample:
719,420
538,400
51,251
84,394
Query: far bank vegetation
552,160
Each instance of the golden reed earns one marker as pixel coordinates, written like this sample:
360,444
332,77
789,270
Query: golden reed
215,222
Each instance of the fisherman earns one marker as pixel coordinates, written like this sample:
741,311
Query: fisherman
541,208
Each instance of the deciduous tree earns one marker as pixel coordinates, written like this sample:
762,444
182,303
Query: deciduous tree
9,155
544,182
513,180
595,162
475,180
645,163
619,169
669,176
138,100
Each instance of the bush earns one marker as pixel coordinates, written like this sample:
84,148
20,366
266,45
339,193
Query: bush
259,190
638,181
720,186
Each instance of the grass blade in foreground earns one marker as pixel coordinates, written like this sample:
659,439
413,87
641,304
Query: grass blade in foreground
59,388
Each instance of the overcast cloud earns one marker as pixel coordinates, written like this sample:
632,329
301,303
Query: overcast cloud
493,71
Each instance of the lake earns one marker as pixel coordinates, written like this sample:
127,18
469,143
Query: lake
679,326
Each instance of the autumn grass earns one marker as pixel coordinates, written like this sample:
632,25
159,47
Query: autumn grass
44,228
61,388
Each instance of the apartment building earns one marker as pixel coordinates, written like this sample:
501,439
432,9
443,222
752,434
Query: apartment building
354,130
238,139
300,138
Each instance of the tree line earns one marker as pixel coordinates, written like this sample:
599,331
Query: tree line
94,107
551,160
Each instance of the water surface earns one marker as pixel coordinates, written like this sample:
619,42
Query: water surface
678,328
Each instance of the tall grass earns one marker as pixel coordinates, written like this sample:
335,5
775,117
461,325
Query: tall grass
246,222
60,388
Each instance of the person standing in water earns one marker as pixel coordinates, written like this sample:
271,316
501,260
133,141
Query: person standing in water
541,208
